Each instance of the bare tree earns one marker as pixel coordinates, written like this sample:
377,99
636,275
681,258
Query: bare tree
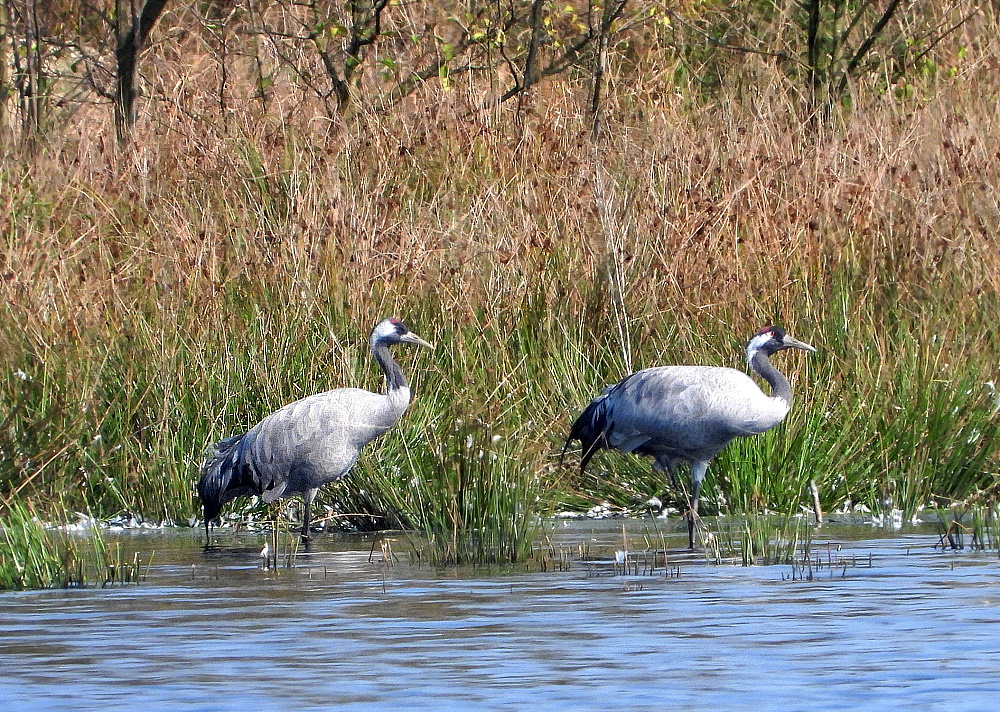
129,45
339,37
329,47
563,52
829,44
833,56
29,78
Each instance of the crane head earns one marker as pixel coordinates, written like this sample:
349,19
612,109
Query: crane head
772,339
393,331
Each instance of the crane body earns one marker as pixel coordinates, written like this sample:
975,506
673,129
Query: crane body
678,414
310,442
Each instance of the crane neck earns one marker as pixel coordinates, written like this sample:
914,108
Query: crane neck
780,387
394,377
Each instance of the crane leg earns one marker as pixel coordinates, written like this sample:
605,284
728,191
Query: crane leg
691,516
698,470
308,497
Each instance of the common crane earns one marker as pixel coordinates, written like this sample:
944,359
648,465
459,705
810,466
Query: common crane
688,413
310,442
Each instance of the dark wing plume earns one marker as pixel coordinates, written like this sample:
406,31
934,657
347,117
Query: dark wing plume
594,425
227,474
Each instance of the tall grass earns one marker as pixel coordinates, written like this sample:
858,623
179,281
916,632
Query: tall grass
32,556
894,421
160,298
760,540
477,498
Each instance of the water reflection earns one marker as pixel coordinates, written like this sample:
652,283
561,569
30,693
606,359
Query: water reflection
919,629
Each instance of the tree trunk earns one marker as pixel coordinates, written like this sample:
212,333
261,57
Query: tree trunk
4,91
612,10
812,61
129,46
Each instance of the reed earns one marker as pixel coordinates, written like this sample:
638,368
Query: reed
31,559
759,539
975,524
33,556
985,527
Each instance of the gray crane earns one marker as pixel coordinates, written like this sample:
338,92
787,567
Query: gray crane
310,442
688,413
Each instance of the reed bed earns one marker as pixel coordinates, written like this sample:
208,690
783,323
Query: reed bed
34,555
233,259
760,540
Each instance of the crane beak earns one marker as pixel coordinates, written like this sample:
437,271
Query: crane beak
789,343
411,338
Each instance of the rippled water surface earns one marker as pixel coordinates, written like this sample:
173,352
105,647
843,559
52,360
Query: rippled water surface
917,629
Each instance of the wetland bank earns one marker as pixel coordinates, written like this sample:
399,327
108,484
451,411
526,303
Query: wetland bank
231,256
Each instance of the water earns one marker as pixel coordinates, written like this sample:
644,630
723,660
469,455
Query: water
919,629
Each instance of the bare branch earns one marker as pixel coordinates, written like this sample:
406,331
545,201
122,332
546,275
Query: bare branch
876,30
783,56
936,41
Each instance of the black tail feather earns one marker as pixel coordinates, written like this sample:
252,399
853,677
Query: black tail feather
591,428
225,475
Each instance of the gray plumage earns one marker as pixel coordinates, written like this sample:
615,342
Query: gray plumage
688,414
315,440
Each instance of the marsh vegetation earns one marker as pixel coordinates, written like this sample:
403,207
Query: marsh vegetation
685,176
